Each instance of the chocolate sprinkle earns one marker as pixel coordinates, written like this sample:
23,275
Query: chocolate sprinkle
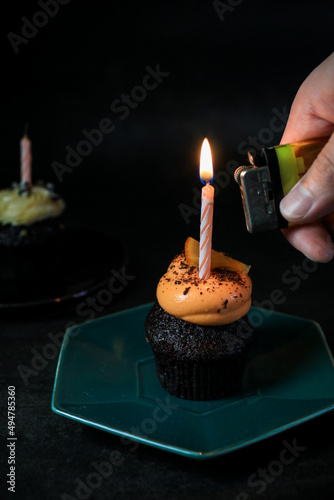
187,275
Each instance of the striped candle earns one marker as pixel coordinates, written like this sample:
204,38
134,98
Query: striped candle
208,192
25,146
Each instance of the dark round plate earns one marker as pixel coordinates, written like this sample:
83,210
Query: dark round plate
85,262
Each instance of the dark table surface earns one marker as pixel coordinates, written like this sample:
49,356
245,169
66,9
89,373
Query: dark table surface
224,76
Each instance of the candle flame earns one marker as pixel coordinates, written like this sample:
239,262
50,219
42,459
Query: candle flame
205,165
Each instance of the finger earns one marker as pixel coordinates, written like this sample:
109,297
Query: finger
311,113
312,197
329,223
313,240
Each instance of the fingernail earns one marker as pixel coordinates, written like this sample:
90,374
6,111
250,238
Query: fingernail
297,202
326,256
328,252
324,251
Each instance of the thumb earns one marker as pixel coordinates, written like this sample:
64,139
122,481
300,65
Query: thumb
312,198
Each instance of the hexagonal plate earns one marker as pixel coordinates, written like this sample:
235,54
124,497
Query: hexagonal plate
106,378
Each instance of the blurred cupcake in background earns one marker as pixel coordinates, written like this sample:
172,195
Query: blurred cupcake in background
30,225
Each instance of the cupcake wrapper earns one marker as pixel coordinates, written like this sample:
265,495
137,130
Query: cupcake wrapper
200,380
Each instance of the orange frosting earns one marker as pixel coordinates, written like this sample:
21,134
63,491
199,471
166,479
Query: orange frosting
222,298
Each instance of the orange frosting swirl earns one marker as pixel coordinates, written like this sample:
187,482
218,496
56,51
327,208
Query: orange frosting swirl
221,299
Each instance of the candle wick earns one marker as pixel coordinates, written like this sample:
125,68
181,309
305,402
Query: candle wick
25,130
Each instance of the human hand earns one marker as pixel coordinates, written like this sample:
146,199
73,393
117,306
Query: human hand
312,198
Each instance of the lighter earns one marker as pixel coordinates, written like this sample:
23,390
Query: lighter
270,176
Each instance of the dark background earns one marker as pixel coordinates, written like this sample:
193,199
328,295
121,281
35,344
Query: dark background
225,79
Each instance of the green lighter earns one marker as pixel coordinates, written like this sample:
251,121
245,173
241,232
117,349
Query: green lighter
271,174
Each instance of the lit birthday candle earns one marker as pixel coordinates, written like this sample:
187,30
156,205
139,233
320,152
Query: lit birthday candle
25,149
206,175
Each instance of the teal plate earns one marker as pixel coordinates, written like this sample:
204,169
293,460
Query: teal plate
106,378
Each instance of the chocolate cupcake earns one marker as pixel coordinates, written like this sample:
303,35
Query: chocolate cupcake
30,229
198,330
